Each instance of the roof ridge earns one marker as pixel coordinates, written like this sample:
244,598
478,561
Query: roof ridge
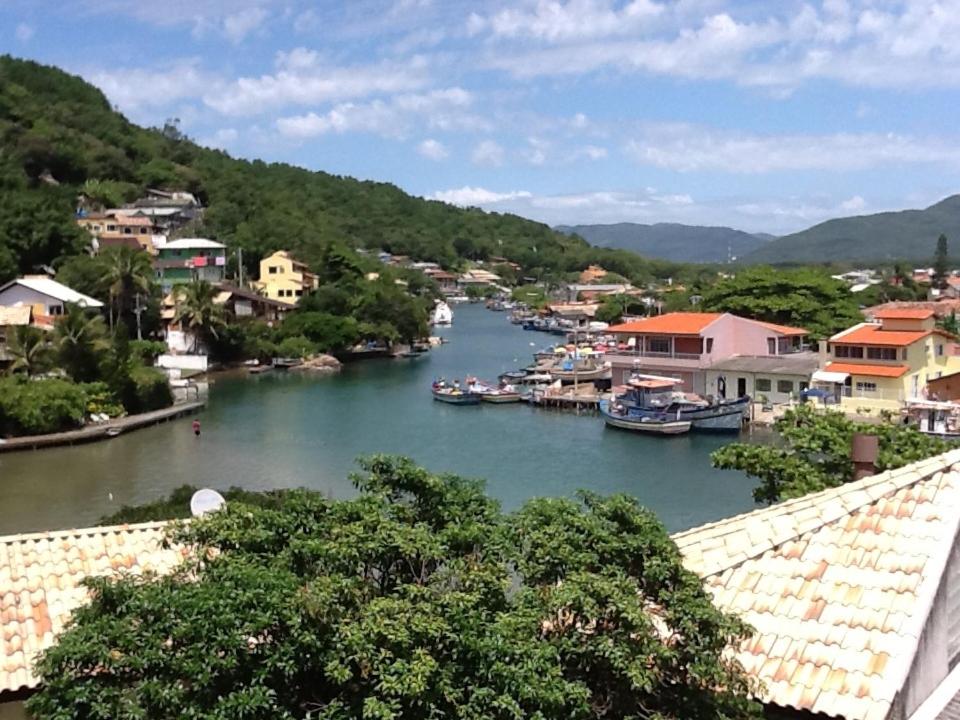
858,494
74,532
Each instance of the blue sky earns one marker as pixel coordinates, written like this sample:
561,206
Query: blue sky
767,116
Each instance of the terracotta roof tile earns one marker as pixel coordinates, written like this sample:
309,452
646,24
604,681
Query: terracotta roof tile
676,323
868,369
837,585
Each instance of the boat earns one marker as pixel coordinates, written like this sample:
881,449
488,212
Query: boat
511,375
454,394
442,314
500,396
656,396
113,431
258,369
616,415
412,353
580,371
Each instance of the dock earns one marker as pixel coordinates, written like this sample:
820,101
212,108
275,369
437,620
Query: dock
582,399
102,431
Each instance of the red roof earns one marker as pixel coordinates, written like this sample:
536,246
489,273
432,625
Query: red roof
875,335
782,329
888,371
903,313
676,323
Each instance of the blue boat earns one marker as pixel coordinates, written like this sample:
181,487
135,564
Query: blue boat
454,394
619,416
657,397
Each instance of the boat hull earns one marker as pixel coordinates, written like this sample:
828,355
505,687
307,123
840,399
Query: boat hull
458,398
501,399
648,426
716,418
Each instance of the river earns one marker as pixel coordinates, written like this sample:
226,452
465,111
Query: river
289,429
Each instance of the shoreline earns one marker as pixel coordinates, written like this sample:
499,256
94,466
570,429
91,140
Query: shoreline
94,433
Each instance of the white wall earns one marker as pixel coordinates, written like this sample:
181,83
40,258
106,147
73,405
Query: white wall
183,362
19,294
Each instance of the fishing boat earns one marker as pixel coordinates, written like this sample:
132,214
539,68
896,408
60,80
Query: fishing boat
500,396
454,394
655,396
511,375
580,371
442,314
618,416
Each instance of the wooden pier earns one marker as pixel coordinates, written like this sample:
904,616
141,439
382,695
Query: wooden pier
101,431
582,399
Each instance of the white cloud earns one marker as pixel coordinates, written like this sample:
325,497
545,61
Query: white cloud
688,148
238,25
477,196
433,149
24,32
487,152
590,152
221,139
575,20
304,79
135,90
856,204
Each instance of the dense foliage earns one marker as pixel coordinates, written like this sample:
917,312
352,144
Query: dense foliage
37,407
177,505
804,298
815,453
417,599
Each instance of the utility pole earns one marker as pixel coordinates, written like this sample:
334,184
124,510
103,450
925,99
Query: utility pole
240,266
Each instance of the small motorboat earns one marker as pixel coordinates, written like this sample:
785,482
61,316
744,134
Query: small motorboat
454,394
512,375
442,314
412,354
113,431
501,397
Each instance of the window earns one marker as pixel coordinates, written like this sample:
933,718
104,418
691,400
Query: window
866,387
903,354
771,346
272,270
127,231
847,351
785,386
939,350
111,228
762,385
881,353
299,293
709,345
658,344
55,310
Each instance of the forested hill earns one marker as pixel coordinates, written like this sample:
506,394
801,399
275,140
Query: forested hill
906,235
671,241
58,132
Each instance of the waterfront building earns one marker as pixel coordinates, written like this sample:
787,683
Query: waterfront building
478,277
447,281
284,278
684,345
587,292
44,294
240,303
879,365
851,593
189,260
773,379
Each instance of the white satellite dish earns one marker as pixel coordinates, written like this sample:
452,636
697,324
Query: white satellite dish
206,501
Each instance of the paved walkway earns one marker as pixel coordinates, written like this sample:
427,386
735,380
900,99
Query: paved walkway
101,431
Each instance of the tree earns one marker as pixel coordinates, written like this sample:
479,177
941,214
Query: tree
814,453
128,279
941,263
197,312
79,339
417,599
805,298
30,350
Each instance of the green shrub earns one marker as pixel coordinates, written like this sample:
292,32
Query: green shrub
147,350
296,347
100,399
327,332
37,407
150,390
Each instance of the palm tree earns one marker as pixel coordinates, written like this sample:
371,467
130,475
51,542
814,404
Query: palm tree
80,338
128,276
29,349
196,310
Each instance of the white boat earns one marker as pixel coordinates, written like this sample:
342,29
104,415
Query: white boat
442,314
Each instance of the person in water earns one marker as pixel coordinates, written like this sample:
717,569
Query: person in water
196,428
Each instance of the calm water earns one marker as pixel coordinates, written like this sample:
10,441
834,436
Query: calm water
287,429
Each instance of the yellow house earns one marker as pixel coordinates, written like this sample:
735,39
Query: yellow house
879,365
285,279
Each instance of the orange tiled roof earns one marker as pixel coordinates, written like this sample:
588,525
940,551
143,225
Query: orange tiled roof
837,585
868,370
40,587
867,334
903,313
782,329
675,323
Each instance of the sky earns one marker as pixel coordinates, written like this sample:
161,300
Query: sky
768,116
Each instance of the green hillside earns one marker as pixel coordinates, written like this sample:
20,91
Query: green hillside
57,132
907,235
671,241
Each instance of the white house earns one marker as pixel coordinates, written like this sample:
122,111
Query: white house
44,294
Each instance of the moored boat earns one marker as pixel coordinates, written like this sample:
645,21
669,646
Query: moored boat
442,314
655,396
501,397
454,394
617,416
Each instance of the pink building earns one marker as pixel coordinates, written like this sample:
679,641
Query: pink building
685,344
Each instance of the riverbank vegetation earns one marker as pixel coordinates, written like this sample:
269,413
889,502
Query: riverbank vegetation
418,598
813,453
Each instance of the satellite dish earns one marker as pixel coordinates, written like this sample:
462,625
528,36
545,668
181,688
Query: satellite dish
206,501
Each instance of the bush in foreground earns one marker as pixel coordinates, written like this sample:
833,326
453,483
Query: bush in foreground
417,599
37,407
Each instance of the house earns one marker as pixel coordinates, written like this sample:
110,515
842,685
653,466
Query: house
876,366
284,278
241,303
44,294
577,314
851,593
580,291
189,260
777,379
119,227
945,388
478,277
446,281
169,210
10,319
685,345
942,308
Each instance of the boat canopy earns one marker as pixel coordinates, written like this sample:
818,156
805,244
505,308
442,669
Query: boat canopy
825,376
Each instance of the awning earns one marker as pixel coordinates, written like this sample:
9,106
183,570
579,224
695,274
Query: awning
825,376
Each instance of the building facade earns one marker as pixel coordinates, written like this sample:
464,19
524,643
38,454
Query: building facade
190,260
285,279
44,295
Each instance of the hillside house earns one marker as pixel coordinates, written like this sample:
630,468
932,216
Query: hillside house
10,319
879,365
119,227
189,260
284,278
44,295
685,345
